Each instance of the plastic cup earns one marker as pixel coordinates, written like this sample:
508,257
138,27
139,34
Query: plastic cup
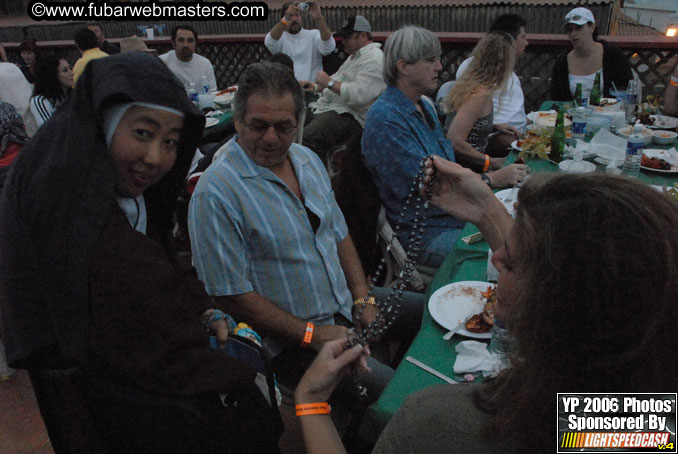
205,101
160,29
618,94
593,125
150,33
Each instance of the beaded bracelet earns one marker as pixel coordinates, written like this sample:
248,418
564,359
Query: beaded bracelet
212,315
487,163
320,408
308,335
674,81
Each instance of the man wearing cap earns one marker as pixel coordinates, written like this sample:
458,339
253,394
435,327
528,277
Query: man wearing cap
509,102
184,62
587,57
339,113
305,47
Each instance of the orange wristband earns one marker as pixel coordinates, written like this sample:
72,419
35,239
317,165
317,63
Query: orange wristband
320,408
308,335
487,163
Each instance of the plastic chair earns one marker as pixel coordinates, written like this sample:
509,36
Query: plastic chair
443,91
395,257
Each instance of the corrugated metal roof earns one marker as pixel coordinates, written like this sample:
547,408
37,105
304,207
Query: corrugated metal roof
277,4
630,27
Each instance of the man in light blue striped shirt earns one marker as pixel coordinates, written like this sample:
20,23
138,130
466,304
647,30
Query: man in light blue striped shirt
268,238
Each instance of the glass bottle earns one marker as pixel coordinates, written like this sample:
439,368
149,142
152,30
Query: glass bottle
577,96
630,102
594,97
558,137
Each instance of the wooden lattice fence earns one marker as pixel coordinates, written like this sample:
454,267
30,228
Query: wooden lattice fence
230,55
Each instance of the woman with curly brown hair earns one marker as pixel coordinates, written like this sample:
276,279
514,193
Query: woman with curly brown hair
587,287
470,109
53,83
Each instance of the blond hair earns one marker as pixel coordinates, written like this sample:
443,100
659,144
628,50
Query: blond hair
490,69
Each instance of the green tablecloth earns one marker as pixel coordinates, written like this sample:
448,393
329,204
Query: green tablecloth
220,130
466,263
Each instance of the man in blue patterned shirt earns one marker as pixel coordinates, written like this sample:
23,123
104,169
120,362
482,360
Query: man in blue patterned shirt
267,236
402,128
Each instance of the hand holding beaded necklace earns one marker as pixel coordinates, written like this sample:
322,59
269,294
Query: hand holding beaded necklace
388,310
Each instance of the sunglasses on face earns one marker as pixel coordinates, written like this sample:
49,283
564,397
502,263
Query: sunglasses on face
260,127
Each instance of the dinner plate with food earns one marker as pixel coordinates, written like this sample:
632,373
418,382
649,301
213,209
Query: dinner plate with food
452,304
211,121
659,161
549,122
225,96
532,116
663,122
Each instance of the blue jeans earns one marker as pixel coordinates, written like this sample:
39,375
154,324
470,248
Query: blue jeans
434,252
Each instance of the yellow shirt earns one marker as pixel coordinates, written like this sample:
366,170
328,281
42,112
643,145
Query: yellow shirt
87,56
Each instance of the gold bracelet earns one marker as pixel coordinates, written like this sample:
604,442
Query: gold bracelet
365,300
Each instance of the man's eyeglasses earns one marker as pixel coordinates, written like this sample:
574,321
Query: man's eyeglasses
284,128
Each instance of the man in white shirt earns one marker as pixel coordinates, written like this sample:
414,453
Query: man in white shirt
185,63
509,103
305,47
339,114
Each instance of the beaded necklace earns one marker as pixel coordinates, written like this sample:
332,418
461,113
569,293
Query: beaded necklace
388,310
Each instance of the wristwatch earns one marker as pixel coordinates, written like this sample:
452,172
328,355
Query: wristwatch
330,84
486,179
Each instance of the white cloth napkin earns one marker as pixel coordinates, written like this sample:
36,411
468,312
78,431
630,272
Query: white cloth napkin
605,137
473,356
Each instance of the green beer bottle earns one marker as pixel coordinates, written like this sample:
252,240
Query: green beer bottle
577,97
594,97
558,137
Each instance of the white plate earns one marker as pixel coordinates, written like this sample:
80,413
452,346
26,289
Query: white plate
650,169
452,303
508,197
515,146
211,121
534,115
224,99
570,166
661,154
663,122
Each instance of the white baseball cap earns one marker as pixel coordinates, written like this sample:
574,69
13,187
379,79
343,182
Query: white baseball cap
579,16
